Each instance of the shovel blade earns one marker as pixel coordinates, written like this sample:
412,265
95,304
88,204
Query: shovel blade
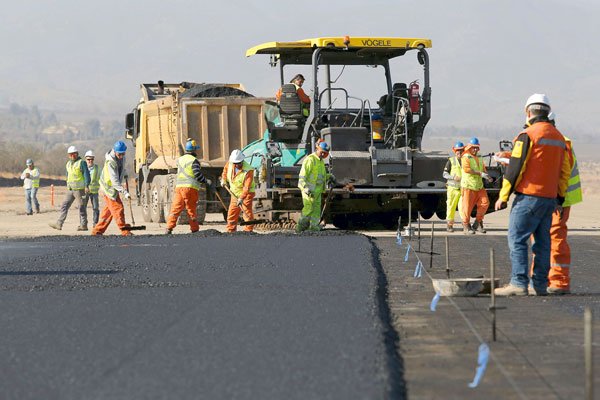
134,228
253,222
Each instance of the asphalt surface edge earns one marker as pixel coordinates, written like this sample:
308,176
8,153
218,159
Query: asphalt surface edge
391,339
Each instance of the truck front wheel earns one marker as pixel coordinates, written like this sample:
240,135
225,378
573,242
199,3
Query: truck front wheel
145,202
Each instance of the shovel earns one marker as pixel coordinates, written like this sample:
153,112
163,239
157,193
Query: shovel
132,227
243,223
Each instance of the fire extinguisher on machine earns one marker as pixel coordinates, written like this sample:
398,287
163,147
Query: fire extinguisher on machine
414,97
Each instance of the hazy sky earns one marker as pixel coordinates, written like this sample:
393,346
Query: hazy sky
487,56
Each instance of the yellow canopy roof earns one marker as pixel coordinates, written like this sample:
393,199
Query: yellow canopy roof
354,42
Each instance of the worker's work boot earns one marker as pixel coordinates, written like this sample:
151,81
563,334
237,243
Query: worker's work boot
510,290
450,228
168,231
478,226
558,291
82,228
467,229
55,226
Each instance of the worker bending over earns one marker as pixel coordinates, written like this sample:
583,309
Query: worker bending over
189,178
452,174
537,173
112,182
472,191
78,181
312,181
238,179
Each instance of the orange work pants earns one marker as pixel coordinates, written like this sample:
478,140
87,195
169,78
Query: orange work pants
112,209
471,198
185,197
560,252
233,213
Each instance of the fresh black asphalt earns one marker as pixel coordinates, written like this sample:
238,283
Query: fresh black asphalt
195,316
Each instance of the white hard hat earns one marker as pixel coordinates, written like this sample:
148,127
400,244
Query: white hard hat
236,156
537,98
89,153
72,149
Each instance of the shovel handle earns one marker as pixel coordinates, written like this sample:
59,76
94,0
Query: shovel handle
129,199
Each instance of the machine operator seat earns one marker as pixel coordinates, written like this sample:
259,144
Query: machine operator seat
290,112
390,103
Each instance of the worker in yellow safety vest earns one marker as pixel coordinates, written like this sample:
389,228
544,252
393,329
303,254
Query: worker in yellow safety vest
31,184
189,179
312,182
238,177
472,190
78,181
453,174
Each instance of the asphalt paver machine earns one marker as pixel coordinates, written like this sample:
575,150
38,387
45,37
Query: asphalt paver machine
375,145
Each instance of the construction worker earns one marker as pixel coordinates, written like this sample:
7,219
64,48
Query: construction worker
298,81
78,181
559,280
452,174
31,184
94,171
472,190
189,178
312,181
238,178
537,173
112,179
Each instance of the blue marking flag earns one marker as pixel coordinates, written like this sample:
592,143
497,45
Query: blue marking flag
482,360
407,251
418,270
434,301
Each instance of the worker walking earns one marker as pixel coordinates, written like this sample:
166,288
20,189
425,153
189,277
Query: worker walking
312,181
31,184
189,178
112,179
472,190
94,171
452,174
537,173
238,177
78,181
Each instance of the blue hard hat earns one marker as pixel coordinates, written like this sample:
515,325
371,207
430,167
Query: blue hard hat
324,146
474,141
459,145
29,161
190,145
120,147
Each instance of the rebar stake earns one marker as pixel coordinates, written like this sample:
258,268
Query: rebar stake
447,258
492,293
589,356
409,219
431,246
419,233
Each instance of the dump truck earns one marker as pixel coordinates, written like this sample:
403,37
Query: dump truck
220,117
375,144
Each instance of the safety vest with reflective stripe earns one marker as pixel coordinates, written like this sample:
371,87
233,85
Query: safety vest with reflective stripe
185,173
313,174
94,179
455,170
34,175
236,182
574,194
546,153
472,181
75,178
105,181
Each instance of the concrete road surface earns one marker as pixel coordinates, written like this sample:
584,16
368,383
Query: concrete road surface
195,316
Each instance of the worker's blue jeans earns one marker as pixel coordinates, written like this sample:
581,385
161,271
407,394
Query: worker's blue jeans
530,215
31,197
